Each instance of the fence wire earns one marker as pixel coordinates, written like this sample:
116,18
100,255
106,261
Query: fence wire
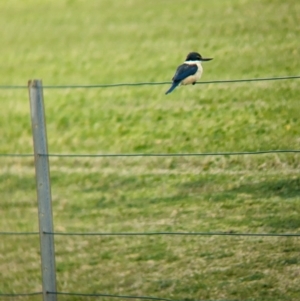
13,295
235,153
173,233
16,155
127,296
231,233
111,296
97,86
174,154
19,233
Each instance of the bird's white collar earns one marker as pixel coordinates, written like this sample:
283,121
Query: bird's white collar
193,62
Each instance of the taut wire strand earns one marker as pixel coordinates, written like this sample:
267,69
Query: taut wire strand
125,296
152,83
173,233
20,294
161,154
19,233
174,154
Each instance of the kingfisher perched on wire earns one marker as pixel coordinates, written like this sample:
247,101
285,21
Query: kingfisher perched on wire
189,72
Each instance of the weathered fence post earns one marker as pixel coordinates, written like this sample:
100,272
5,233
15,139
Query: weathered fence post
43,188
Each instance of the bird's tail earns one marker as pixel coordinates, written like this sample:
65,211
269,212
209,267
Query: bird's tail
174,85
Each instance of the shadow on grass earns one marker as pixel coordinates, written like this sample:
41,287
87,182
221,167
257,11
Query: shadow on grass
288,188
283,188
278,214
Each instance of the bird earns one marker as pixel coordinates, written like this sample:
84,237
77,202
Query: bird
189,72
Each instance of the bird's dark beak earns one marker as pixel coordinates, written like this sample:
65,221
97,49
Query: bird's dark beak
206,59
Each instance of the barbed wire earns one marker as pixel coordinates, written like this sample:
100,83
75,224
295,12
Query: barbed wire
153,83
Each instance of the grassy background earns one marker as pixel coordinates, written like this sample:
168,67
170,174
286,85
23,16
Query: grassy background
93,42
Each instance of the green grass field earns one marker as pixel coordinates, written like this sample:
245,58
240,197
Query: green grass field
100,42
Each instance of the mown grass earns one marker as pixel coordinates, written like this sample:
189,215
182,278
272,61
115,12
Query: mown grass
80,42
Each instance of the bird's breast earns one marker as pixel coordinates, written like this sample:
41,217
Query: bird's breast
193,78
190,79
